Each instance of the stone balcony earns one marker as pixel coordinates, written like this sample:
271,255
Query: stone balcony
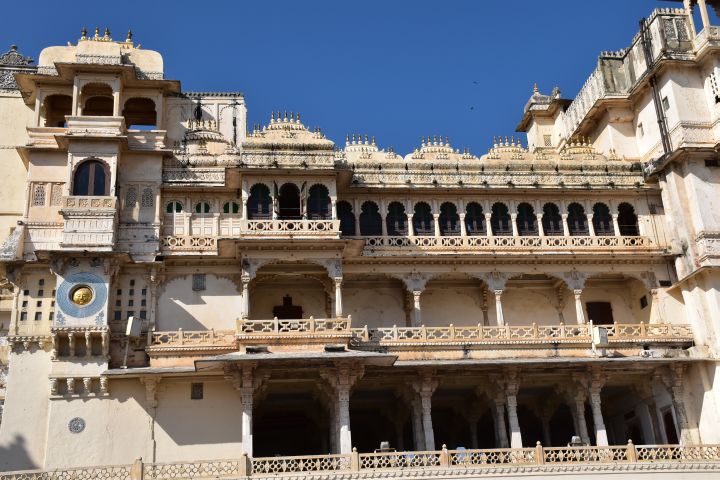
95,126
313,229
405,245
572,462
89,222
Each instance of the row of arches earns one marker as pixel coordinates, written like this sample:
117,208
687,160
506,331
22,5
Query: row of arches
398,221
97,100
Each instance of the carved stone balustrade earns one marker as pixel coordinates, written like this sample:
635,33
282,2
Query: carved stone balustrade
96,126
379,246
630,339
290,229
189,244
204,341
304,332
69,343
89,222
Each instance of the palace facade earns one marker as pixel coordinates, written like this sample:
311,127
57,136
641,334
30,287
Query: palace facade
217,298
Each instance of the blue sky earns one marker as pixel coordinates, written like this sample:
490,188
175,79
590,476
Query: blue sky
394,69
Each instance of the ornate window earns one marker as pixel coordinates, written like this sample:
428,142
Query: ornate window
602,221
131,197
231,207
475,219
259,202
202,207
500,220
370,219
90,179
449,220
423,220
174,207
347,218
526,220
627,220
396,220
552,221
147,200
577,220
39,195
319,203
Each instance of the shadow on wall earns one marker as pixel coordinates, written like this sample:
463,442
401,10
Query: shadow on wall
15,456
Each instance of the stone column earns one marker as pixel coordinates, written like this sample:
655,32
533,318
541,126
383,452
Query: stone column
71,343
436,224
116,104
541,230
356,211
596,385
417,317
511,390
338,297
245,313
677,392
501,435
580,414
410,227
513,223
341,379
463,227
498,308
591,227
418,434
704,13
616,225
579,311
488,225
88,345
333,206
545,423
246,399
425,387
566,229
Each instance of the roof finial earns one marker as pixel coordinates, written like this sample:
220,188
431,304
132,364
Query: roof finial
373,139
298,118
535,88
447,141
97,32
107,33
129,36
83,34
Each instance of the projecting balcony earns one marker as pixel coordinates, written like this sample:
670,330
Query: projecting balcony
89,222
406,245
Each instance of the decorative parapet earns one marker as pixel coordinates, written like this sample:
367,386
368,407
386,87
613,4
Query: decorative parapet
11,62
189,244
205,176
519,334
382,246
191,341
290,228
89,221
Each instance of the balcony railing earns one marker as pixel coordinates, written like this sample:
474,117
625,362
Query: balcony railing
302,327
189,244
398,245
447,463
571,334
290,228
180,340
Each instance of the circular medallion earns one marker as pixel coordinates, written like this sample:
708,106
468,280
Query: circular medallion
81,295
76,425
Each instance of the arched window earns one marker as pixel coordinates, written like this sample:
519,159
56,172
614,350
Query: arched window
90,179
202,207
577,220
526,220
259,202
370,220
500,220
423,220
475,219
319,203
627,220
57,107
552,221
140,114
449,220
174,207
98,100
231,207
347,218
602,221
289,202
396,219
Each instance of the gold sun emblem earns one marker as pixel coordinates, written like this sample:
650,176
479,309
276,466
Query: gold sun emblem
82,295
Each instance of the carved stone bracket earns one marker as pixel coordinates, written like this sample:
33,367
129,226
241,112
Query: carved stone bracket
575,280
494,280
